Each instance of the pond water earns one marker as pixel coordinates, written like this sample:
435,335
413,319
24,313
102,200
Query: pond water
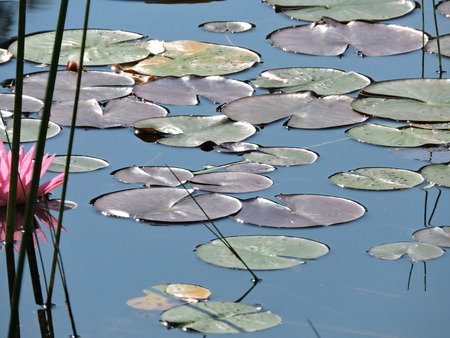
346,293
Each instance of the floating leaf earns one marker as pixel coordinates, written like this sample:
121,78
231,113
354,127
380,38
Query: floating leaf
5,55
162,176
282,156
251,167
416,251
29,131
344,10
227,26
120,113
184,90
444,8
439,236
78,164
377,179
230,182
307,111
423,100
438,173
322,81
219,317
29,104
187,291
302,211
193,131
103,47
97,85
331,38
167,205
404,136
153,300
188,57
236,147
444,45
261,252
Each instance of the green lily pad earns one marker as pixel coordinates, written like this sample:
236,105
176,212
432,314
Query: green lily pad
227,26
444,8
322,81
282,156
116,113
328,37
230,182
404,136
251,167
78,164
439,236
423,100
416,251
97,85
103,47
307,110
261,252
161,176
5,55
167,205
219,317
301,211
188,57
184,90
29,131
193,131
438,173
444,45
29,104
344,10
377,179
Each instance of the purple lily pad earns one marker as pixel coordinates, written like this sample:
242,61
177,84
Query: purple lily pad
230,182
162,176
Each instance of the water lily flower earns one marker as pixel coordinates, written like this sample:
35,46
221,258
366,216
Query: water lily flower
26,165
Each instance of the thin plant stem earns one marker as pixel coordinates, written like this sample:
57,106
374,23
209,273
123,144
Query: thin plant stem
216,230
436,26
423,38
31,199
435,206
410,274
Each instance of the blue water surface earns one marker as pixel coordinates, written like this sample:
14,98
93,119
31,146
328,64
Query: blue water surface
346,293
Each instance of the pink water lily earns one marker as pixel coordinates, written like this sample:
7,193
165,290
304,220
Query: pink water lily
26,165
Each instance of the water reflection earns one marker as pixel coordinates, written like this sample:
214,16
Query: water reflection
8,15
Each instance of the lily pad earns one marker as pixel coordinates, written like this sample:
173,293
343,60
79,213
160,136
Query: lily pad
186,57
29,131
423,100
162,176
230,182
167,205
322,81
377,179
227,26
251,167
184,90
219,317
439,236
117,113
307,110
29,104
193,131
103,47
444,8
261,252
5,55
416,251
78,164
444,45
153,300
328,37
344,10
301,211
404,136
438,173
97,85
282,156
